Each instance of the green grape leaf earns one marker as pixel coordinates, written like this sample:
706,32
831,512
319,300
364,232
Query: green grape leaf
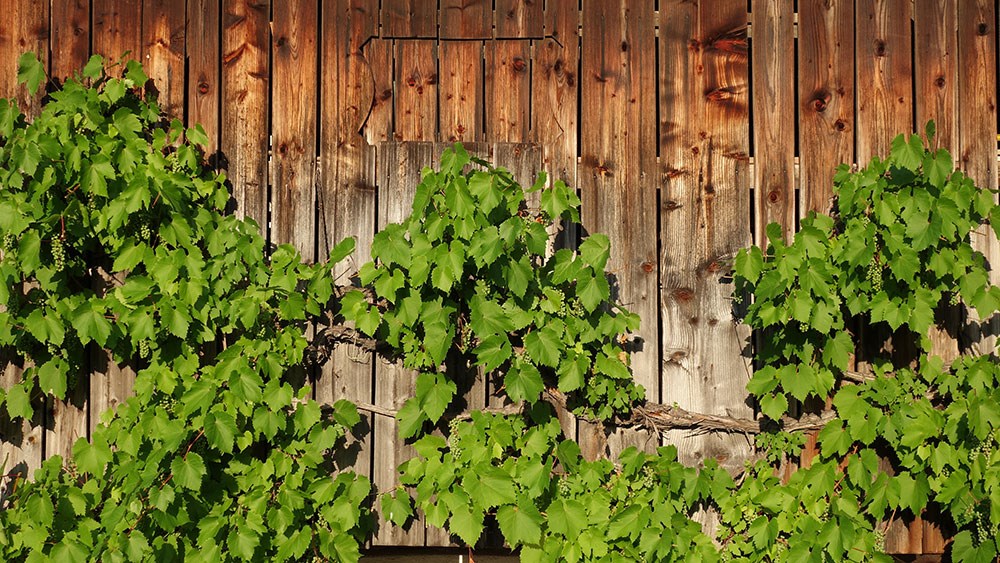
188,470
520,524
30,72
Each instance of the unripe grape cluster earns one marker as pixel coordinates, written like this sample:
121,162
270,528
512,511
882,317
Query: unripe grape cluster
564,488
879,534
144,349
145,233
456,450
874,274
8,241
58,253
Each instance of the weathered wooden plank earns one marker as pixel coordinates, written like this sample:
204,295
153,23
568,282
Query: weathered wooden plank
20,441
508,90
117,29
203,42
409,18
69,44
163,31
520,19
378,126
773,124
23,27
245,87
618,149
293,126
826,98
977,42
935,43
346,194
885,74
466,19
461,96
704,209
416,94
398,174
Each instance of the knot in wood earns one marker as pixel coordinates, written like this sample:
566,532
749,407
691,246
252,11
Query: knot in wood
840,125
683,294
879,48
411,81
624,46
774,196
519,65
982,28
281,42
939,82
671,205
203,87
819,102
647,267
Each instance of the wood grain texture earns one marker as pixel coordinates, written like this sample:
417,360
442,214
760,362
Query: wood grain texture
117,29
346,195
618,83
977,43
885,74
508,90
416,91
935,69
69,43
203,41
409,18
24,27
163,35
293,126
461,94
773,124
519,18
21,440
466,19
399,166
826,98
245,90
704,205
378,125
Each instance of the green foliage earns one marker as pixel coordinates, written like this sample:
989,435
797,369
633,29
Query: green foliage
115,239
115,242
469,274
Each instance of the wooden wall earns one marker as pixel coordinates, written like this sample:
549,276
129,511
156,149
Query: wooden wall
686,125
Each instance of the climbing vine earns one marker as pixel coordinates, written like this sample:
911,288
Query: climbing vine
116,243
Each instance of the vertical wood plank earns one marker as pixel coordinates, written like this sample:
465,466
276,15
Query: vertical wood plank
23,27
508,90
20,441
935,45
117,29
977,42
773,55
293,126
466,19
245,90
554,104
163,31
416,94
519,18
69,43
884,82
204,60
461,105
399,166
618,151
826,98
409,18
378,127
346,194
704,208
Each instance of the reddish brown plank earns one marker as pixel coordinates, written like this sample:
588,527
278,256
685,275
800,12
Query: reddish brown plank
346,194
69,43
520,18
826,98
409,18
935,45
378,125
618,148
204,59
163,52
773,124
554,97
416,94
117,29
704,206
461,96
466,19
24,27
977,42
245,87
885,74
508,90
